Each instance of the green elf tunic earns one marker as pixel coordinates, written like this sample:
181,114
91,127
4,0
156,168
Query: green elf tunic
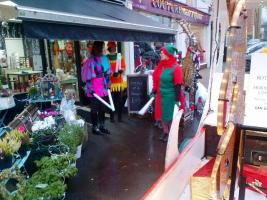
168,74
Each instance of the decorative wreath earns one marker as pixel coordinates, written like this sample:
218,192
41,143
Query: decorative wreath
7,174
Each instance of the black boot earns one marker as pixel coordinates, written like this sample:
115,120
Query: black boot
198,76
96,131
165,139
104,130
161,137
112,117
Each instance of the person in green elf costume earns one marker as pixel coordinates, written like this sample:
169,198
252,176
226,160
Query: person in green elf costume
167,88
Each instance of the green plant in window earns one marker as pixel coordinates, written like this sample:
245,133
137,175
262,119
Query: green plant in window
33,91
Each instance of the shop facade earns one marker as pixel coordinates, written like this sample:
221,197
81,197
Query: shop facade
170,12
61,40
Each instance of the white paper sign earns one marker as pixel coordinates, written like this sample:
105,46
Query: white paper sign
256,95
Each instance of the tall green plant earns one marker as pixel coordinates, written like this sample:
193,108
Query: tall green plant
72,136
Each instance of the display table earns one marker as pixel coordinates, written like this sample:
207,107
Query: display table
21,77
42,100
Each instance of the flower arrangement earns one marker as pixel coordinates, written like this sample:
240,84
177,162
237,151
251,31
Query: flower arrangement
48,123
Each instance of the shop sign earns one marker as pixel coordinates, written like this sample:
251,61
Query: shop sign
256,95
172,9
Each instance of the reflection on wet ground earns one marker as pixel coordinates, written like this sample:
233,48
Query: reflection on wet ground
123,165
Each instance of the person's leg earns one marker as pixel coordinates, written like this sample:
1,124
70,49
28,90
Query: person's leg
112,112
101,116
166,129
120,106
94,115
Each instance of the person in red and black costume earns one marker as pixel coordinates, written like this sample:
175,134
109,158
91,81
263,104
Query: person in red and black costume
118,85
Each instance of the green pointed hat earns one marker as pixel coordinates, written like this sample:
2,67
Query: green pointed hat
169,50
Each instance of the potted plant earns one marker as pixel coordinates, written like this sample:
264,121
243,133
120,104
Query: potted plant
45,184
19,184
8,147
72,136
62,163
44,136
21,135
33,93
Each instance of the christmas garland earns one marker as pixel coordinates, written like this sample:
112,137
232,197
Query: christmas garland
7,174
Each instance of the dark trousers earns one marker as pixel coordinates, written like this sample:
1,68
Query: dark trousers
118,103
98,110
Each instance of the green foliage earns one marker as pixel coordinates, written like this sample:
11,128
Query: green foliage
48,182
15,134
33,91
72,136
45,184
63,164
11,142
7,174
41,133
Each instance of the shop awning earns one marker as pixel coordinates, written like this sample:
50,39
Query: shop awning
85,19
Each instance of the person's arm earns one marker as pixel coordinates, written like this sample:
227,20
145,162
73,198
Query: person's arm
177,89
178,82
89,87
87,76
107,71
123,66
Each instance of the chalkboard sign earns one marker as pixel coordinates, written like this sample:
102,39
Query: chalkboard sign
137,92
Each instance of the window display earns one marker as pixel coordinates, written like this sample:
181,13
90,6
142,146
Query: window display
63,61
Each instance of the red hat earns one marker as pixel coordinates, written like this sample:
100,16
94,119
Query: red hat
111,44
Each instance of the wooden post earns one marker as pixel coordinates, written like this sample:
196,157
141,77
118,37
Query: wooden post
235,162
78,63
42,52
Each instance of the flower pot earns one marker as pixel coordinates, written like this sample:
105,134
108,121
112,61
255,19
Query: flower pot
79,151
46,140
5,162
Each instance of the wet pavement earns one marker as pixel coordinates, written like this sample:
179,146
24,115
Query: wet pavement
123,165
